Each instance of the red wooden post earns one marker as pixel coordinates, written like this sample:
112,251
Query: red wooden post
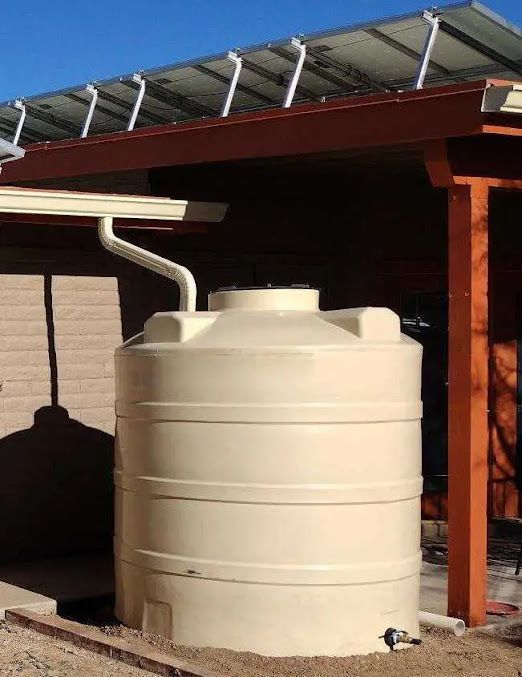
468,401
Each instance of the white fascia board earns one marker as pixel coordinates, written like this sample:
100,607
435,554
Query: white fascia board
68,203
502,99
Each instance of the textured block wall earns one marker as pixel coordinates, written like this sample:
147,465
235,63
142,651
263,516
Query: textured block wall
62,328
87,329
24,358
57,339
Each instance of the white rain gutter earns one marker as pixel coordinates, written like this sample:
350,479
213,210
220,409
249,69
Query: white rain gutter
502,99
108,207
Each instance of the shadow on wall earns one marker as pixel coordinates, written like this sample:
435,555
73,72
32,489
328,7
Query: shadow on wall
56,482
56,494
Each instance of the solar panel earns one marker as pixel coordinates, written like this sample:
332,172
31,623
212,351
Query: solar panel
471,43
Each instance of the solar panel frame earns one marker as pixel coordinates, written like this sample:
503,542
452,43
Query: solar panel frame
367,57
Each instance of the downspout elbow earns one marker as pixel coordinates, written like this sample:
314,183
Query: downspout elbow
181,275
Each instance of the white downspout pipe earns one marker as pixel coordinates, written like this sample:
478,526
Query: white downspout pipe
454,625
181,275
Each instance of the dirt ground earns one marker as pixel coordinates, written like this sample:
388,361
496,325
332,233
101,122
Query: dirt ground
474,655
25,653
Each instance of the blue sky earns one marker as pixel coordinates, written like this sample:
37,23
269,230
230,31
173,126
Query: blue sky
49,44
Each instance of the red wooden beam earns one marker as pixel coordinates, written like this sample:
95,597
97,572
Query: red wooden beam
468,402
354,122
502,129
495,160
468,442
437,163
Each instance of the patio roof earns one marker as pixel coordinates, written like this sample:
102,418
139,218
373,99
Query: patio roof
370,121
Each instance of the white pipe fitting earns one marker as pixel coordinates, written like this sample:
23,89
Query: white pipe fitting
181,275
454,625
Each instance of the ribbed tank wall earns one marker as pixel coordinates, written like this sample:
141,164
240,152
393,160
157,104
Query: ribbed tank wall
268,479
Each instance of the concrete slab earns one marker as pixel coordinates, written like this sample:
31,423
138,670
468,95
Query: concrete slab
66,579
41,585
502,587
13,597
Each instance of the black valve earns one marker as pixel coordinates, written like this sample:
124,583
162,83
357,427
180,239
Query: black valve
392,637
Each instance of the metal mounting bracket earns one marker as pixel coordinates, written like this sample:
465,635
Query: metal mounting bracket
94,98
292,85
137,105
433,22
20,105
238,64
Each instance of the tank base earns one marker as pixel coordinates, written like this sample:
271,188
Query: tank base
275,620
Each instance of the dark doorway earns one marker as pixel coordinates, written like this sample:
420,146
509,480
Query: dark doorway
424,317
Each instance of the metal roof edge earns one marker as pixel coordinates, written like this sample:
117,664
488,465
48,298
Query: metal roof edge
299,108
494,17
392,18
395,118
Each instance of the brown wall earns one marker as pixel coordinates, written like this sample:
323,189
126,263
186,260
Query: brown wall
505,332
364,233
64,307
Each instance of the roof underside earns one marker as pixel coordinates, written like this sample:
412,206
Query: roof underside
471,43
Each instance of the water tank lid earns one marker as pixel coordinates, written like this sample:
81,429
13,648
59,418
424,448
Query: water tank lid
293,297
234,287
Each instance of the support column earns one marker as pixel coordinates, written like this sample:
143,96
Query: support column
468,401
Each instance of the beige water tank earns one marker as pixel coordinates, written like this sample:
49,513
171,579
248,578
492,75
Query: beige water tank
268,476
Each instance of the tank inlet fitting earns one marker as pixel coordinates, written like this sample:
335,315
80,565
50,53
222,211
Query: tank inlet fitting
392,637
